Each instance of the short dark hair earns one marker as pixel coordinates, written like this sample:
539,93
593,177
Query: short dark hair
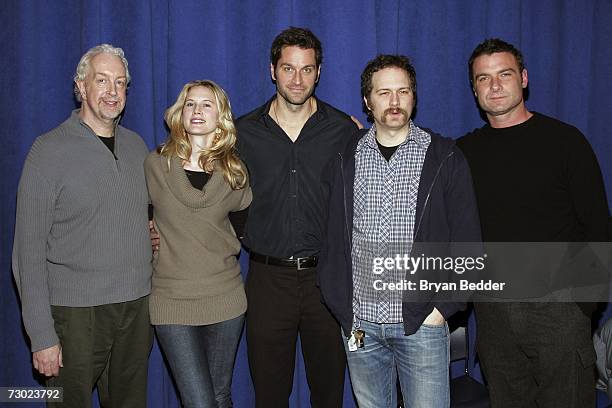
491,46
382,62
299,37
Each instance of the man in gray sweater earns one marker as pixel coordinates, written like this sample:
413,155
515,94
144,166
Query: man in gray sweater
81,256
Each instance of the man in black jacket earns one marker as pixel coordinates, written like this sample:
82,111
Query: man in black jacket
395,186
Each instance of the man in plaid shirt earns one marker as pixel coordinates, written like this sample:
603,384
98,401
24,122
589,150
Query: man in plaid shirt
396,185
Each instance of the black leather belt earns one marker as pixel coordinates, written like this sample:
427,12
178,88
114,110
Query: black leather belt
299,263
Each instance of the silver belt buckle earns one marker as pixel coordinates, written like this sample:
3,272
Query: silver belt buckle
299,263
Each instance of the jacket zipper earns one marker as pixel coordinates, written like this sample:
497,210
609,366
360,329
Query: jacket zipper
416,231
350,237
115,158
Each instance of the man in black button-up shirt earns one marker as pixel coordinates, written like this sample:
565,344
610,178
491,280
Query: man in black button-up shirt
286,144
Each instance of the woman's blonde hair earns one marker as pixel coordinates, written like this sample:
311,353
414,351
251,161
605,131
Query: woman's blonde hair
221,153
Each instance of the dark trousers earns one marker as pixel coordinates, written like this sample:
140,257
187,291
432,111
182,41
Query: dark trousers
202,360
536,354
107,346
282,303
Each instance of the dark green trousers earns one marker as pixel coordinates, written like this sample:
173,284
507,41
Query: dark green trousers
107,346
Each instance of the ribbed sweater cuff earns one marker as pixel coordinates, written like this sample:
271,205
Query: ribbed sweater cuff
44,339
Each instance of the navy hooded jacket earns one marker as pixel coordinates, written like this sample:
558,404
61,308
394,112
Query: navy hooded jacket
446,212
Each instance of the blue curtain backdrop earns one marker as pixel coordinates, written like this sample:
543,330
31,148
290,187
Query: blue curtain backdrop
169,42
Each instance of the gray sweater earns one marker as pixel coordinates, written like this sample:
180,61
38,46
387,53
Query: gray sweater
81,236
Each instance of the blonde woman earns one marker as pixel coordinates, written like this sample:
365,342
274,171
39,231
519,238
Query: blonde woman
197,303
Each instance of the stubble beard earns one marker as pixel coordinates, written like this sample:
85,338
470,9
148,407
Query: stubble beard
292,100
111,114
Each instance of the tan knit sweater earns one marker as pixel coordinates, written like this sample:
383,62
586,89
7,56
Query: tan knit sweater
196,276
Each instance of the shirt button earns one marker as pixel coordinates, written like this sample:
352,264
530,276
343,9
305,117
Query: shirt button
293,170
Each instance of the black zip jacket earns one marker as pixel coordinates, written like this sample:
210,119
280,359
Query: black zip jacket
446,212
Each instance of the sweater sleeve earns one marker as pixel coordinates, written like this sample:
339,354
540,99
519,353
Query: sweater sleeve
238,218
247,193
247,197
35,203
587,190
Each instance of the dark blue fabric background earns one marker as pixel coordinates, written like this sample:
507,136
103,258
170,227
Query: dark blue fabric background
169,42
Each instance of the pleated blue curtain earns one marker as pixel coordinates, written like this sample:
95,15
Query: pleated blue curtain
170,42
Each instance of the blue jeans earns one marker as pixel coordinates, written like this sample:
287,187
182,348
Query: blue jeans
201,359
421,360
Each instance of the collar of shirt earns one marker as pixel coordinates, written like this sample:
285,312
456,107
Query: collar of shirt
415,134
86,126
320,114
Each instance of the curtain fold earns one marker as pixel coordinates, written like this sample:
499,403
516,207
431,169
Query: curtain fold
169,42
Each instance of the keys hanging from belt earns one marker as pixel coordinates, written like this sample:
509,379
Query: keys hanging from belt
357,340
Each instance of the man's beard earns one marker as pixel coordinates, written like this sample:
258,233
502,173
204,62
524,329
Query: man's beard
292,100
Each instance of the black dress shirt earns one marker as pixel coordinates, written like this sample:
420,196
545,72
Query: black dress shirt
287,215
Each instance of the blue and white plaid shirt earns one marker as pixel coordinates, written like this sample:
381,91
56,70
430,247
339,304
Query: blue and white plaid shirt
384,217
